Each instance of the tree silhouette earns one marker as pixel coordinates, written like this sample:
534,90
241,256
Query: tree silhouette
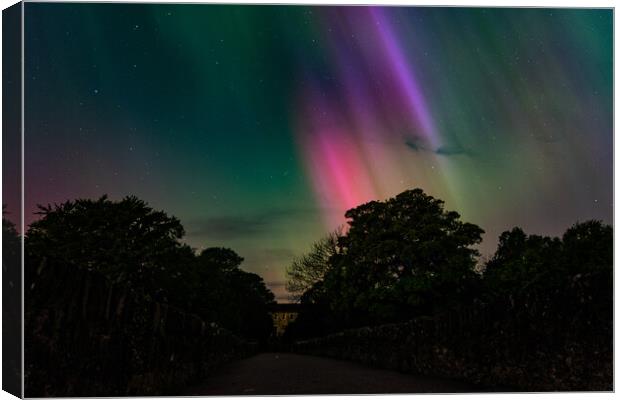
127,240
220,258
521,260
524,262
11,309
560,290
305,274
405,254
400,257
10,248
132,244
241,298
588,247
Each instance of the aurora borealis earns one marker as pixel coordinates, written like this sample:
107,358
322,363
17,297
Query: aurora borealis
258,126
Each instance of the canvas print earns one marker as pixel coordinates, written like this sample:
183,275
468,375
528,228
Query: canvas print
296,199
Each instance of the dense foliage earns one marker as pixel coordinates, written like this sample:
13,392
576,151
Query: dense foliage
11,310
132,244
527,262
407,257
399,258
395,260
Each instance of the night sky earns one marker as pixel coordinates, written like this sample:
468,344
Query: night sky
258,126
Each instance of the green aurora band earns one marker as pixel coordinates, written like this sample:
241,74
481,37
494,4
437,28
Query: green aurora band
258,126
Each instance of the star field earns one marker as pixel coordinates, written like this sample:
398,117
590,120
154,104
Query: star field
258,126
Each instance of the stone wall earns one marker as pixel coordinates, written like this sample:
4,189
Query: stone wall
531,345
87,337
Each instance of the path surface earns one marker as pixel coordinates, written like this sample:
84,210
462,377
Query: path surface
284,373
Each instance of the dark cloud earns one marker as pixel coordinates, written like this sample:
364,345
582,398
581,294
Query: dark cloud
413,145
227,227
446,150
276,284
235,226
268,258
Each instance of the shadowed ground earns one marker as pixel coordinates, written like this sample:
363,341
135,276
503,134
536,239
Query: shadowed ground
277,373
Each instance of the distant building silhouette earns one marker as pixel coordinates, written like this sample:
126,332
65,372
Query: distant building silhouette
283,314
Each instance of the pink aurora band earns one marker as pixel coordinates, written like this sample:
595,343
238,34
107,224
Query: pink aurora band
352,134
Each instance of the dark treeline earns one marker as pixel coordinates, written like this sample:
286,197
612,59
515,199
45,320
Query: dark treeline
133,245
408,257
11,309
403,259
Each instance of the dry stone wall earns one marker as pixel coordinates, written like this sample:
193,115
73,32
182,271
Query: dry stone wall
87,337
523,344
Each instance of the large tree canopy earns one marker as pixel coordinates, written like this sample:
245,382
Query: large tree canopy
132,244
407,256
405,252
398,257
127,241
